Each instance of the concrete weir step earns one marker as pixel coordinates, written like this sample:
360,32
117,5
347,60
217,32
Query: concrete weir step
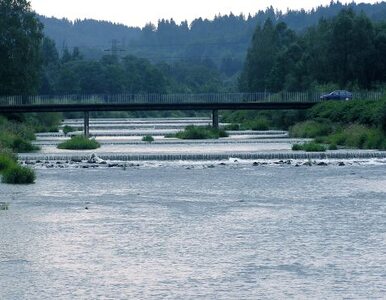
203,156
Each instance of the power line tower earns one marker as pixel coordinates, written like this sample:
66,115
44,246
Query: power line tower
115,49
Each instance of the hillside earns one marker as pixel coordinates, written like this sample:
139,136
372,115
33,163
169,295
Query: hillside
222,41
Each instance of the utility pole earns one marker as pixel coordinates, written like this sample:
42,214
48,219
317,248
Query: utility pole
115,49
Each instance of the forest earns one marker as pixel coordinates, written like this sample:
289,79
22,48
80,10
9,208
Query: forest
223,41
344,51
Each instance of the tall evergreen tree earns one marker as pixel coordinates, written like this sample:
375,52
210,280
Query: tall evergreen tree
20,41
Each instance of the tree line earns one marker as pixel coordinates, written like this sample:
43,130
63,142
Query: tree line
346,51
223,40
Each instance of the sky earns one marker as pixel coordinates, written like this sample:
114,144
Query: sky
140,12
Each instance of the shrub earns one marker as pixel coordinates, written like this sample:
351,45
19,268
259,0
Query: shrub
6,161
358,136
67,129
17,174
21,145
333,147
79,142
232,126
311,129
309,147
256,124
196,133
148,138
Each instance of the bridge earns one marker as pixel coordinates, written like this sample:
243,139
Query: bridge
153,102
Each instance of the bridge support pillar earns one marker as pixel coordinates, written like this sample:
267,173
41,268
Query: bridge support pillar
215,118
86,124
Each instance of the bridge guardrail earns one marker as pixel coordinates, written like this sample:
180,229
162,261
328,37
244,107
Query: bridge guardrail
262,97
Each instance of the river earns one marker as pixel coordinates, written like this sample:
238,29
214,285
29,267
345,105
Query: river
188,230
229,232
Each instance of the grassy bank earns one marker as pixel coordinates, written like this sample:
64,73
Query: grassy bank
17,131
352,124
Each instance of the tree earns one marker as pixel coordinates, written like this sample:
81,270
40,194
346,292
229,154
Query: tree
20,41
267,43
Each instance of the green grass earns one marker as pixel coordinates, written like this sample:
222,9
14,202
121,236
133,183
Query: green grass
17,174
148,138
197,133
79,142
309,147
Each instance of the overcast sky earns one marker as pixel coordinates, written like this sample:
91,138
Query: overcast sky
140,12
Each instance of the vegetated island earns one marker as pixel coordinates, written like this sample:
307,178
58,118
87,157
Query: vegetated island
79,142
193,132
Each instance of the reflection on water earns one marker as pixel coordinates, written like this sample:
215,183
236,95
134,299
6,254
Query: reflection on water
229,232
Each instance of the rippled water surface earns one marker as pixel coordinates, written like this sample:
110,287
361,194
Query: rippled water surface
229,232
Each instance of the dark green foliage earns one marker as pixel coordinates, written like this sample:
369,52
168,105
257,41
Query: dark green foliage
347,50
16,174
79,142
311,129
365,112
233,126
16,136
7,160
263,120
148,138
21,145
332,147
358,136
256,124
309,147
67,129
20,39
197,133
225,39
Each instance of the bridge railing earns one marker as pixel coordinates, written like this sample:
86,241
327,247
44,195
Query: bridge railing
151,99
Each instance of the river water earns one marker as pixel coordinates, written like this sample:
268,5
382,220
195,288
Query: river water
195,230
234,231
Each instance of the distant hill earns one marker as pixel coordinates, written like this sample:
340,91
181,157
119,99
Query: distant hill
222,42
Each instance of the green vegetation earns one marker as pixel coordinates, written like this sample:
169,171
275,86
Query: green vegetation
358,136
311,129
197,133
233,126
148,138
21,35
7,160
12,172
67,129
263,120
351,124
309,147
17,174
256,124
328,53
79,142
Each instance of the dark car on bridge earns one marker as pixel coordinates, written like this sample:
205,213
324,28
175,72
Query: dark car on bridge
337,95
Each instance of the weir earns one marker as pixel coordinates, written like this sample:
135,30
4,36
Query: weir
208,157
